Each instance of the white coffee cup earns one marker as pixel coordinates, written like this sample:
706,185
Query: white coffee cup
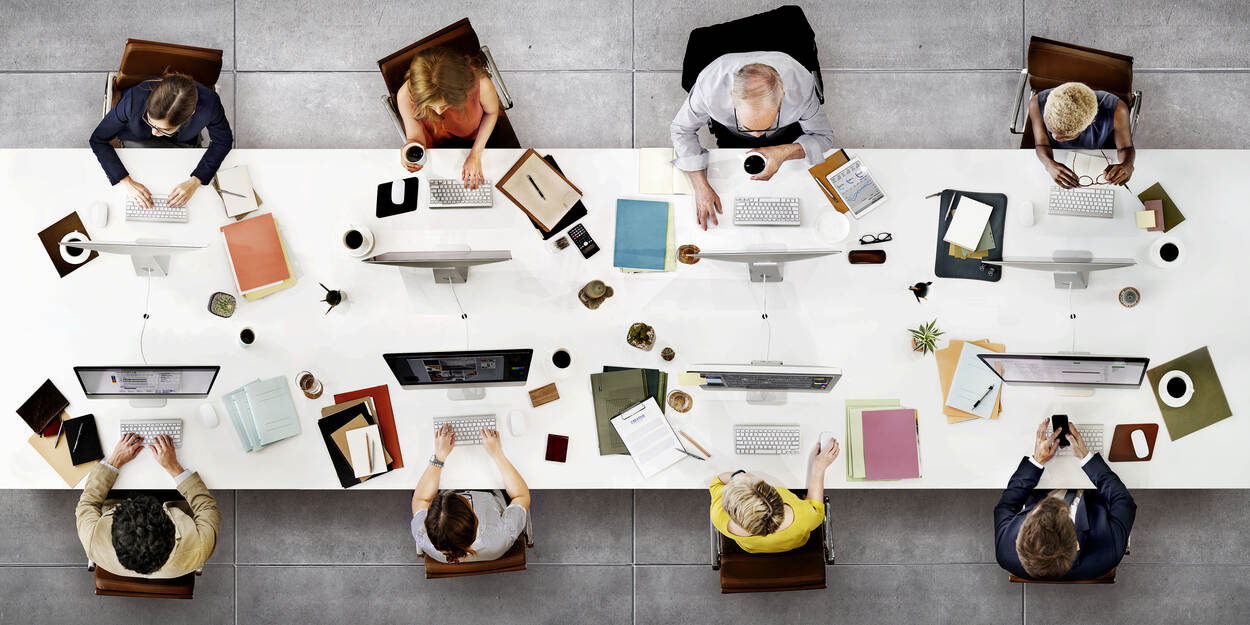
414,149
1167,252
357,240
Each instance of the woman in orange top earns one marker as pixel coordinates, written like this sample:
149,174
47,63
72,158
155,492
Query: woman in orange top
449,99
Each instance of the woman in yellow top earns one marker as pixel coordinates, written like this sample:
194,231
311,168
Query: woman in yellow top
763,518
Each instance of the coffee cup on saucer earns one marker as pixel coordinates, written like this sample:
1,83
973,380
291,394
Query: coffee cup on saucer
357,240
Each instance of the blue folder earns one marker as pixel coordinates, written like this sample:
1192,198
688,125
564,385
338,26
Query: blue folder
641,234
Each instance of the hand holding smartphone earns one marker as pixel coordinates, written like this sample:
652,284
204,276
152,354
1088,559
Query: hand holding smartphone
1059,423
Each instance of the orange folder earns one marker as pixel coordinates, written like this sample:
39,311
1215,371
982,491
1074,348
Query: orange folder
255,253
947,360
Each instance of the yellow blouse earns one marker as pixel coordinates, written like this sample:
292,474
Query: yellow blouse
808,515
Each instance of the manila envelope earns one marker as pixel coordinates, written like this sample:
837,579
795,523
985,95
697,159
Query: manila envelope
947,359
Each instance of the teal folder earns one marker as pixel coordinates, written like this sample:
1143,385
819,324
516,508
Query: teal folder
641,234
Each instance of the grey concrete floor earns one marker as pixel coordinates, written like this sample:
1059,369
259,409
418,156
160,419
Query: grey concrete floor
605,73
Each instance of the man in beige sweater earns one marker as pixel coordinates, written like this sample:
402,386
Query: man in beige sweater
140,537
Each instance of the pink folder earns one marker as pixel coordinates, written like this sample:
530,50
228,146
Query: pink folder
890,444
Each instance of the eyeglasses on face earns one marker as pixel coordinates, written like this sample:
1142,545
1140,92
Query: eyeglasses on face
164,132
744,129
876,238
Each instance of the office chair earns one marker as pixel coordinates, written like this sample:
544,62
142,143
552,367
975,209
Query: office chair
784,29
797,569
1105,578
110,585
461,37
142,60
1052,63
513,560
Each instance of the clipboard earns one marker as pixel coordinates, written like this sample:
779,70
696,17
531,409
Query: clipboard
820,173
947,359
548,209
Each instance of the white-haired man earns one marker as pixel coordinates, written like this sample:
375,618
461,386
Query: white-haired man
762,100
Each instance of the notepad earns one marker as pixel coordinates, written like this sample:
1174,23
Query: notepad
364,445
657,175
234,182
972,379
642,234
891,444
969,223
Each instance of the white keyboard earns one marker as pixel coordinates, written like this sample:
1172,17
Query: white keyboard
1090,432
1081,202
149,429
766,439
468,429
450,193
161,211
766,211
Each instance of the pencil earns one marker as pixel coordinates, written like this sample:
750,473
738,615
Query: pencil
695,443
370,444
60,427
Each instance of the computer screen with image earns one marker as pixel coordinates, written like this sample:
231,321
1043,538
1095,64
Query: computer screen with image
146,381
482,367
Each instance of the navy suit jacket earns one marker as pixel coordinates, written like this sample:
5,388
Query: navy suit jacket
125,121
1103,520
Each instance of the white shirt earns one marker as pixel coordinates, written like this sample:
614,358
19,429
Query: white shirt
711,98
1083,460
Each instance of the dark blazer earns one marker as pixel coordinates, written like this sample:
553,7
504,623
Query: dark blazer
1103,520
125,121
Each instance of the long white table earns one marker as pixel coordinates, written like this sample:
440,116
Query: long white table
825,312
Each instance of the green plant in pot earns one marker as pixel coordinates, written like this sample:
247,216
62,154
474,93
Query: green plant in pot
924,338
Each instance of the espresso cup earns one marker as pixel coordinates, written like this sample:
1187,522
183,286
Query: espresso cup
1167,252
561,358
357,240
247,337
414,153
754,163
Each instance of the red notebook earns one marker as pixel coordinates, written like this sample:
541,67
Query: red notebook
386,419
255,253
891,446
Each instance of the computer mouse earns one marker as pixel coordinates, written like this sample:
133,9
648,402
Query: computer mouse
826,441
1140,446
98,214
516,423
1024,213
208,415
397,192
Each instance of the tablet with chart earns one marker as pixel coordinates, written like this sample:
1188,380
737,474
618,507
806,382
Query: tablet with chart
854,184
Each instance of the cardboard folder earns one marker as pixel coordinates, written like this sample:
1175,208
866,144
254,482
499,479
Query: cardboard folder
381,408
947,359
820,172
59,459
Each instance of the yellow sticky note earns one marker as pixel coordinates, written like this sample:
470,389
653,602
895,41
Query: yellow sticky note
1145,219
690,378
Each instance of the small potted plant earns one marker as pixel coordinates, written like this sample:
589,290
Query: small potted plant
924,338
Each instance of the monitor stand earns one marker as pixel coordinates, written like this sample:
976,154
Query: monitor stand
765,271
452,275
1074,280
148,402
766,398
151,266
466,394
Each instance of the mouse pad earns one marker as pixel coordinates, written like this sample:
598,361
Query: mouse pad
51,237
1208,405
1122,442
387,208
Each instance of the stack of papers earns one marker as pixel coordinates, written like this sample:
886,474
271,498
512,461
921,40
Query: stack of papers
646,239
882,440
658,176
651,439
262,413
354,441
235,187
969,234
257,256
975,388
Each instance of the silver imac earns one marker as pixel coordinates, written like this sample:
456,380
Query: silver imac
1070,267
765,265
449,267
146,386
1078,373
767,380
149,256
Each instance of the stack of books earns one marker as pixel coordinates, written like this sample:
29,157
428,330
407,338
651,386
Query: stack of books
969,234
646,239
257,256
262,413
882,440
354,441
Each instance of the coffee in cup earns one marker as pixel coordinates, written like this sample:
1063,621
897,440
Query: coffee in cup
413,153
561,358
357,240
754,163
1167,251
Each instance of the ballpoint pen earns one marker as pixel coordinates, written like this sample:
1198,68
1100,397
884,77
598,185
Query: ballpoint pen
59,429
983,396
231,193
690,454
77,438
540,191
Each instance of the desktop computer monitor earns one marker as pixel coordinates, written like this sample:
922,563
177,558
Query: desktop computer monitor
765,265
146,386
1071,268
150,257
449,267
467,371
765,379
1075,371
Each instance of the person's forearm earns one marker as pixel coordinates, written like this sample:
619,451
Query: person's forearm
698,178
513,483
816,483
1044,154
1127,154
427,487
483,131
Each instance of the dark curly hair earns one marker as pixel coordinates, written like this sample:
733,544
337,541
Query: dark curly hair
143,534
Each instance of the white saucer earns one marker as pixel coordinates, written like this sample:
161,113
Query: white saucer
833,226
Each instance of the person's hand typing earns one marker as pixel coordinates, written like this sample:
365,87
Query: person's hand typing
1044,447
471,174
127,448
137,192
1078,444
166,456
444,442
490,442
182,192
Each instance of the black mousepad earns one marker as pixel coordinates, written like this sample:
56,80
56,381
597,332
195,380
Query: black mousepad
947,266
387,208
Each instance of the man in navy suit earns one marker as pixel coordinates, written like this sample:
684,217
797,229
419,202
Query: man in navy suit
1065,535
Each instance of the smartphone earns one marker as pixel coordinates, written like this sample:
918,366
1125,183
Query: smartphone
1059,423
557,448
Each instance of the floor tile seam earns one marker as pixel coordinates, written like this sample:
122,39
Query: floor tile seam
833,70
402,564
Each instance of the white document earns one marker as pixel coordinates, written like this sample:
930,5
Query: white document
230,182
364,445
1086,165
658,176
973,378
651,441
968,223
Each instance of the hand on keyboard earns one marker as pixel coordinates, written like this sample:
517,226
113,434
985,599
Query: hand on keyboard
444,442
127,448
182,192
163,448
137,192
472,171
1079,450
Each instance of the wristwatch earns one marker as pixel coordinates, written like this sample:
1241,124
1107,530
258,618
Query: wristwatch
435,461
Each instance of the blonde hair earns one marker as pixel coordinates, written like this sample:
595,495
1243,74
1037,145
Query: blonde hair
441,75
757,82
753,504
1070,109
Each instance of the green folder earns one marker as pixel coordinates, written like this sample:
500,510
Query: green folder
657,383
1172,216
615,392
855,433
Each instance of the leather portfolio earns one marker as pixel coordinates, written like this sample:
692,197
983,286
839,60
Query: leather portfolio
820,173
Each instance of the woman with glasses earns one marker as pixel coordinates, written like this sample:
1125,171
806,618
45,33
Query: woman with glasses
1074,117
165,112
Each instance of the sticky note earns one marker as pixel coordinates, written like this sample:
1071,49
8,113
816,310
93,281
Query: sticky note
691,378
1145,219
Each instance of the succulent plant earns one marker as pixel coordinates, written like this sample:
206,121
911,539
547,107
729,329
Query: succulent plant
668,354
924,338
641,335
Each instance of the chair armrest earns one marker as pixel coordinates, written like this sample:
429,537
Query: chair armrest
1134,111
108,93
505,96
388,103
715,551
820,87
90,565
529,530
1021,89
827,527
